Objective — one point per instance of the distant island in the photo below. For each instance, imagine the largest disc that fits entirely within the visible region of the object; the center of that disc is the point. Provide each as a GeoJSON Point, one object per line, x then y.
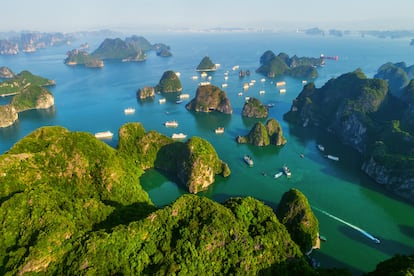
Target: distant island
{"type": "Point", "coordinates": [367, 115]}
{"type": "Point", "coordinates": [28, 92]}
{"type": "Point", "coordinates": [206, 65]}
{"type": "Point", "coordinates": [130, 49]}
{"type": "Point", "coordinates": [297, 67]}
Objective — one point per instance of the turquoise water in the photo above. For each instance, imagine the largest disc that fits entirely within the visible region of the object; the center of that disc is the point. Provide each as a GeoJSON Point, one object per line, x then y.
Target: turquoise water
{"type": "Point", "coordinates": [93, 100]}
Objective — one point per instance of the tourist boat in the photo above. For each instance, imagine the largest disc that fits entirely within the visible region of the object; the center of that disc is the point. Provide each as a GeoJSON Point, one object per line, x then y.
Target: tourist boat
{"type": "Point", "coordinates": [129, 110]}
{"type": "Point", "coordinates": [235, 67]}
{"type": "Point", "coordinates": [171, 124]}
{"type": "Point", "coordinates": [278, 174]}
{"type": "Point", "coordinates": [280, 83]}
{"type": "Point", "coordinates": [178, 136]}
{"type": "Point", "coordinates": [332, 157]}
{"type": "Point", "coordinates": [178, 74]}
{"type": "Point", "coordinates": [184, 96]}
{"type": "Point", "coordinates": [219, 130]}
{"type": "Point", "coordinates": [283, 90]}
{"type": "Point", "coordinates": [323, 238]}
{"type": "Point", "coordinates": [162, 100]}
{"type": "Point", "coordinates": [286, 171]}
{"type": "Point", "coordinates": [321, 148]}
{"type": "Point", "coordinates": [104, 135]}
{"type": "Point", "coordinates": [262, 80]}
{"type": "Point", "coordinates": [178, 101]}
{"type": "Point", "coordinates": [203, 74]}
{"type": "Point", "coordinates": [261, 92]}
{"type": "Point", "coordinates": [224, 85]}
{"type": "Point", "coordinates": [248, 160]}
{"type": "Point", "coordinates": [194, 77]}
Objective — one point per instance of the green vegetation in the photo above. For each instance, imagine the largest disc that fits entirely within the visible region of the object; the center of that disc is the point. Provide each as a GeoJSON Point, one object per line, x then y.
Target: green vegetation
{"type": "Point", "coordinates": [253, 108]}
{"type": "Point", "coordinates": [169, 82]}
{"type": "Point", "coordinates": [30, 98]}
{"type": "Point", "coordinates": [78, 57]}
{"type": "Point", "coordinates": [297, 67]}
{"type": "Point", "coordinates": [120, 50]}
{"type": "Point", "coordinates": [20, 81]}
{"type": "Point", "coordinates": [296, 214]}
{"type": "Point", "coordinates": [264, 135]}
{"type": "Point", "coordinates": [206, 65]}
{"type": "Point", "coordinates": [397, 265]}
{"type": "Point", "coordinates": [397, 75]}
{"type": "Point", "coordinates": [210, 98]}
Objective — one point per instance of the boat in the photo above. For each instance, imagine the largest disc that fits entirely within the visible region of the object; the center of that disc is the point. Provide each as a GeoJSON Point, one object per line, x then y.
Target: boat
{"type": "Point", "coordinates": [283, 90]}
{"type": "Point", "coordinates": [332, 157]}
{"type": "Point", "coordinates": [129, 110]}
{"type": "Point", "coordinates": [280, 83]}
{"type": "Point", "coordinates": [224, 85]}
{"type": "Point", "coordinates": [178, 101]}
{"type": "Point", "coordinates": [162, 100]}
{"type": "Point", "coordinates": [178, 74]}
{"type": "Point", "coordinates": [270, 105]}
{"type": "Point", "coordinates": [321, 148]}
{"type": "Point", "coordinates": [323, 238]}
{"type": "Point", "coordinates": [219, 130]}
{"type": "Point", "coordinates": [286, 171]}
{"type": "Point", "coordinates": [178, 136]}
{"type": "Point", "coordinates": [171, 124]}
{"type": "Point", "coordinates": [248, 160]}
{"type": "Point", "coordinates": [261, 92]}
{"type": "Point", "coordinates": [184, 96]}
{"type": "Point", "coordinates": [235, 67]}
{"type": "Point", "coordinates": [203, 75]}
{"type": "Point", "coordinates": [278, 174]}
{"type": "Point", "coordinates": [194, 77]}
{"type": "Point", "coordinates": [104, 135]}
{"type": "Point", "coordinates": [262, 80]}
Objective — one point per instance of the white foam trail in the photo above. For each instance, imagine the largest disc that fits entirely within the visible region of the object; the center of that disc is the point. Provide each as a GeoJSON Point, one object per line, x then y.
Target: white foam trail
{"type": "Point", "coordinates": [363, 232]}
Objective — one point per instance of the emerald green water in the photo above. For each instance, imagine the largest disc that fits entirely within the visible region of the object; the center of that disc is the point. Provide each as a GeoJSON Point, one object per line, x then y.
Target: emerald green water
{"type": "Point", "coordinates": [94, 100]}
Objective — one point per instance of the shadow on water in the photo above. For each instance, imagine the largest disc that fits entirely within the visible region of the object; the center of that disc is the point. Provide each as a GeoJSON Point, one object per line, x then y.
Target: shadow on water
{"type": "Point", "coordinates": [407, 230]}
{"type": "Point", "coordinates": [387, 246]}
{"type": "Point", "coordinates": [328, 262]}
{"type": "Point", "coordinates": [212, 120]}
{"type": "Point", "coordinates": [38, 114]}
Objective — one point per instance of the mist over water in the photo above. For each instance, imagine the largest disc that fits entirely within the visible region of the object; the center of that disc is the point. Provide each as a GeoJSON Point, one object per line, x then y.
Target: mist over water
{"type": "Point", "coordinates": [94, 100]}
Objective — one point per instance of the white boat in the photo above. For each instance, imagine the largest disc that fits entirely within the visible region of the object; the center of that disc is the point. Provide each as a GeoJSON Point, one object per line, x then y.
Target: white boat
{"type": "Point", "coordinates": [321, 148]}
{"type": "Point", "coordinates": [184, 96]}
{"type": "Point", "coordinates": [162, 100]}
{"type": "Point", "coordinates": [104, 135]}
{"type": "Point", "coordinates": [262, 80]}
{"type": "Point", "coordinates": [178, 74]}
{"type": "Point", "coordinates": [194, 77]}
{"type": "Point", "coordinates": [280, 83]}
{"type": "Point", "coordinates": [178, 136]}
{"type": "Point", "coordinates": [129, 110]}
{"type": "Point", "coordinates": [277, 175]}
{"type": "Point", "coordinates": [203, 74]}
{"type": "Point", "coordinates": [286, 171]}
{"type": "Point", "coordinates": [178, 101]}
{"type": "Point", "coordinates": [283, 90]}
{"type": "Point", "coordinates": [224, 85]}
{"type": "Point", "coordinates": [219, 130]}
{"type": "Point", "coordinates": [171, 124]}
{"type": "Point", "coordinates": [261, 92]}
{"type": "Point", "coordinates": [332, 157]}
{"type": "Point", "coordinates": [235, 67]}
{"type": "Point", "coordinates": [248, 160]}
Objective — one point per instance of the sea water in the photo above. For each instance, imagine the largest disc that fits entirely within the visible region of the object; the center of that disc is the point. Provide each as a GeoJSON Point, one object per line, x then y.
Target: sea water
{"type": "Point", "coordinates": [93, 100]}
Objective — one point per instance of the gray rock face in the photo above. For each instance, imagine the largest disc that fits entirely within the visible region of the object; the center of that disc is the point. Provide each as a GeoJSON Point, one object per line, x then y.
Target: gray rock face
{"type": "Point", "coordinates": [6, 73]}
{"type": "Point", "coordinates": [8, 116]}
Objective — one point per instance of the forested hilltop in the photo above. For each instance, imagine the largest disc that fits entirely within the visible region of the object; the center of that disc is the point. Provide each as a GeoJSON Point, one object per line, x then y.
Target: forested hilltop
{"type": "Point", "coordinates": [370, 117]}
{"type": "Point", "coordinates": [71, 204]}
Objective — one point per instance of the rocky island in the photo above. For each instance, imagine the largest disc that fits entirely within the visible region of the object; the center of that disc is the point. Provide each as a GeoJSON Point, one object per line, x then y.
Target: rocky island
{"type": "Point", "coordinates": [264, 134]}
{"type": "Point", "coordinates": [253, 108]}
{"type": "Point", "coordinates": [206, 65]}
{"type": "Point", "coordinates": [364, 114]}
{"type": "Point", "coordinates": [147, 92]}
{"type": "Point", "coordinates": [169, 82]}
{"type": "Point", "coordinates": [210, 98]}
{"type": "Point", "coordinates": [297, 67]}
{"type": "Point", "coordinates": [6, 73]}
{"type": "Point", "coordinates": [81, 57]}
{"type": "Point", "coordinates": [28, 92]}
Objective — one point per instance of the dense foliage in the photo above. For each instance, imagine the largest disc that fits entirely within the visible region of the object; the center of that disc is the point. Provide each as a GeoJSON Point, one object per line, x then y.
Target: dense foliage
{"type": "Point", "coordinates": [397, 265]}
{"type": "Point", "coordinates": [169, 82]}
{"type": "Point", "coordinates": [296, 214]}
{"type": "Point", "coordinates": [253, 108]}
{"type": "Point", "coordinates": [397, 75]}
{"type": "Point", "coordinates": [20, 81]}
{"type": "Point", "coordinates": [297, 67]}
{"type": "Point", "coordinates": [119, 49]}
{"type": "Point", "coordinates": [30, 97]}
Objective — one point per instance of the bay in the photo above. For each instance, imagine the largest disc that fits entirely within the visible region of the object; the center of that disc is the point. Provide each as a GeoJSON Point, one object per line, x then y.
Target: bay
{"type": "Point", "coordinates": [93, 100]}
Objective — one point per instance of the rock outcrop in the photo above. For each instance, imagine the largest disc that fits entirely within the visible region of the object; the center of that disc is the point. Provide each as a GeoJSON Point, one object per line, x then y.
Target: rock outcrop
{"type": "Point", "coordinates": [6, 73]}
{"type": "Point", "coordinates": [210, 98]}
{"type": "Point", "coordinates": [206, 65]}
{"type": "Point", "coordinates": [253, 108]}
{"type": "Point", "coordinates": [8, 115]}
{"type": "Point", "coordinates": [264, 135]}
{"type": "Point", "coordinates": [33, 97]}
{"type": "Point", "coordinates": [295, 213]}
{"type": "Point", "coordinates": [146, 92]}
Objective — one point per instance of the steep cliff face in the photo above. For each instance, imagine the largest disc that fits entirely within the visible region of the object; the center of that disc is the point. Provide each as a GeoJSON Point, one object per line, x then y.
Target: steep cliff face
{"type": "Point", "coordinates": [263, 135]}
{"type": "Point", "coordinates": [146, 92]}
{"type": "Point", "coordinates": [400, 182]}
{"type": "Point", "coordinates": [210, 98]}
{"type": "Point", "coordinates": [8, 115]}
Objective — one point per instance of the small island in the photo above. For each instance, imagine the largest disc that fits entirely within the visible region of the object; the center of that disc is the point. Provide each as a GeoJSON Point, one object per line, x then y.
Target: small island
{"type": "Point", "coordinates": [169, 83]}
{"type": "Point", "coordinates": [81, 57]}
{"type": "Point", "coordinates": [147, 92]}
{"type": "Point", "coordinates": [206, 65]}
{"type": "Point", "coordinates": [210, 98]}
{"type": "Point", "coordinates": [253, 108]}
{"type": "Point", "coordinates": [261, 134]}
{"type": "Point", "coordinates": [297, 67]}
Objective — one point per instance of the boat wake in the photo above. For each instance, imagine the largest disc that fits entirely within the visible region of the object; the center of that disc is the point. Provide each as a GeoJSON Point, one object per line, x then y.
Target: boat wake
{"type": "Point", "coordinates": [363, 232]}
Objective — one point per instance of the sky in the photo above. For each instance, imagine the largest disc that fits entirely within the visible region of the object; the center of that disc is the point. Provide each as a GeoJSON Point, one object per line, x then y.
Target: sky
{"type": "Point", "coordinates": [152, 15]}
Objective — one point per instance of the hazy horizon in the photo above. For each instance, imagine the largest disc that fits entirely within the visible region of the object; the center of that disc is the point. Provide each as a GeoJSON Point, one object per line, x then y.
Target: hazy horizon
{"type": "Point", "coordinates": [149, 15]}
